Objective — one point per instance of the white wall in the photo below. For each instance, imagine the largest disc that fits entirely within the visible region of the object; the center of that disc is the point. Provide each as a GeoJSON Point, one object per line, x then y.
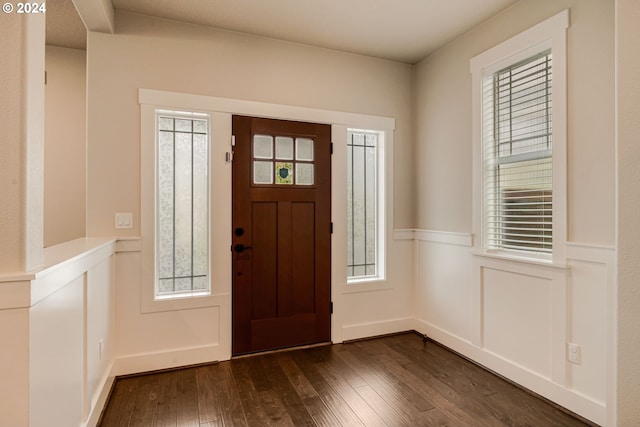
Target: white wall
{"type": "Point", "coordinates": [627, 317]}
{"type": "Point", "coordinates": [149, 53]}
{"type": "Point", "coordinates": [65, 145]}
{"type": "Point", "coordinates": [517, 318]}
{"type": "Point", "coordinates": [57, 328]}
{"type": "Point", "coordinates": [21, 136]}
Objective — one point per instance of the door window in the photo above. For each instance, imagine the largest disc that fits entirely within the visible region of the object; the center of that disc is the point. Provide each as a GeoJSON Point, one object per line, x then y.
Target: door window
{"type": "Point", "coordinates": [283, 160]}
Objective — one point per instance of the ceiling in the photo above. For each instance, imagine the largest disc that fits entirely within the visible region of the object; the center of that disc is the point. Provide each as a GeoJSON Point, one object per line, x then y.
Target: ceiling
{"type": "Point", "coordinates": [399, 30]}
{"type": "Point", "coordinates": [64, 26]}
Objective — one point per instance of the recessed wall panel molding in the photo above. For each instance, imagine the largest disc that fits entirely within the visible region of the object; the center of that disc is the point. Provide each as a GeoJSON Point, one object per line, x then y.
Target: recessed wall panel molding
{"type": "Point", "coordinates": [517, 318]}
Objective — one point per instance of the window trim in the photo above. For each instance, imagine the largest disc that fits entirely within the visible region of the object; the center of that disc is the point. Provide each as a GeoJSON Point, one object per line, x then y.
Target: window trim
{"type": "Point", "coordinates": [549, 34]}
{"type": "Point", "coordinates": [149, 301]}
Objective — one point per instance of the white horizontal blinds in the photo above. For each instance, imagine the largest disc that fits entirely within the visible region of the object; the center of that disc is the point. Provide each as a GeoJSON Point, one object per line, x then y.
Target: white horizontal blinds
{"type": "Point", "coordinates": [517, 156]}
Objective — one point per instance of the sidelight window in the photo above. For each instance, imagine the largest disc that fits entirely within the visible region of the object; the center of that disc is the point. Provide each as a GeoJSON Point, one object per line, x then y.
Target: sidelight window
{"type": "Point", "coordinates": [364, 238]}
{"type": "Point", "coordinates": [182, 205]}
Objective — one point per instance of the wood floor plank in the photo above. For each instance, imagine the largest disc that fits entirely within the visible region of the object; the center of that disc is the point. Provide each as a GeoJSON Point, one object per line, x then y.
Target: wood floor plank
{"type": "Point", "coordinates": [442, 363]}
{"type": "Point", "coordinates": [333, 374]}
{"type": "Point", "coordinates": [145, 402]}
{"type": "Point", "coordinates": [119, 410]}
{"type": "Point", "coordinates": [292, 402]}
{"type": "Point", "coordinates": [229, 401]}
{"type": "Point", "coordinates": [320, 413]}
{"type": "Point", "coordinates": [187, 399]}
{"type": "Point", "coordinates": [423, 386]}
{"type": "Point", "coordinates": [260, 405]}
{"type": "Point", "coordinates": [251, 407]}
{"type": "Point", "coordinates": [207, 403]}
{"type": "Point", "coordinates": [388, 381]}
{"type": "Point", "coordinates": [166, 414]}
{"type": "Point", "coordinates": [333, 400]}
{"type": "Point", "coordinates": [449, 384]}
{"type": "Point", "coordinates": [383, 380]}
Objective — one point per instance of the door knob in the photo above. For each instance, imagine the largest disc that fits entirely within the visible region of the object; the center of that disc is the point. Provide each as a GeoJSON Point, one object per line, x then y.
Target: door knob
{"type": "Point", "coordinates": [241, 248]}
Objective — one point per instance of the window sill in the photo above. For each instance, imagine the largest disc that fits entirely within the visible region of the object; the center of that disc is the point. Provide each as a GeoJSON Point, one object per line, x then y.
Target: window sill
{"type": "Point", "coordinates": [366, 285]}
{"type": "Point", "coordinates": [526, 260]}
{"type": "Point", "coordinates": [183, 303]}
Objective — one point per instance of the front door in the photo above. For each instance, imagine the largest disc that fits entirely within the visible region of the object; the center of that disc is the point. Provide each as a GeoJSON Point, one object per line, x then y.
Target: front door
{"type": "Point", "coordinates": [281, 234]}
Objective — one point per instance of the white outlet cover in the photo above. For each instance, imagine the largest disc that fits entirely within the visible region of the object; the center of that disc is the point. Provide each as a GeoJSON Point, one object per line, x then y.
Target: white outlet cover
{"type": "Point", "coordinates": [124, 220]}
{"type": "Point", "coordinates": [573, 353]}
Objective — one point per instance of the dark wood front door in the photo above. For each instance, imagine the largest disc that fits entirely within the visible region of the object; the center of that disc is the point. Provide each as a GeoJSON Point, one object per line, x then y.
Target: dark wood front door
{"type": "Point", "coordinates": [281, 234]}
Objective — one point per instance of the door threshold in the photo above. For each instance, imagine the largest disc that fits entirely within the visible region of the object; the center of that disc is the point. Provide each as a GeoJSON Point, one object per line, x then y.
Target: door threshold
{"type": "Point", "coordinates": [281, 350]}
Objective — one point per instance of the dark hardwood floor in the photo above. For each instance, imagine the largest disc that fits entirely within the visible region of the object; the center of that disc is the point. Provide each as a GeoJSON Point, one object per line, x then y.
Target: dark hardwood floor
{"type": "Point", "coordinates": [392, 381]}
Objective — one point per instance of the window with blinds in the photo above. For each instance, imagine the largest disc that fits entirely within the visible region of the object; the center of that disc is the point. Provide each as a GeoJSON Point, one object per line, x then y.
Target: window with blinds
{"type": "Point", "coordinates": [517, 156]}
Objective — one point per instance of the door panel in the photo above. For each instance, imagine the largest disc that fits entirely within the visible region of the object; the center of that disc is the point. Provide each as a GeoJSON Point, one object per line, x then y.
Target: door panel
{"type": "Point", "coordinates": [281, 241]}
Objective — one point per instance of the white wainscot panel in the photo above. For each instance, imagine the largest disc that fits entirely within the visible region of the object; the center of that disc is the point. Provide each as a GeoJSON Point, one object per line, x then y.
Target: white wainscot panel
{"type": "Point", "coordinates": [56, 358]}
{"type": "Point", "coordinates": [444, 291]}
{"type": "Point", "coordinates": [517, 318]}
{"type": "Point", "coordinates": [100, 329]}
{"type": "Point", "coordinates": [165, 339]}
{"type": "Point", "coordinates": [587, 298]}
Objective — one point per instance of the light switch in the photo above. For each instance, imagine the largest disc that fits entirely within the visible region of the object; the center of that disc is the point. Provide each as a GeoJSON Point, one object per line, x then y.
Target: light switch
{"type": "Point", "coordinates": [124, 220]}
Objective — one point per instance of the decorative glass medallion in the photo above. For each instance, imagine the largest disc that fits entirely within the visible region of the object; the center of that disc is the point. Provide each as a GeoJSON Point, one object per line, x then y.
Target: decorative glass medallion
{"type": "Point", "coordinates": [284, 173]}
{"type": "Point", "coordinates": [304, 173]}
{"type": "Point", "coordinates": [262, 172]}
{"type": "Point", "coordinates": [304, 149]}
{"type": "Point", "coordinates": [284, 148]}
{"type": "Point", "coordinates": [263, 147]}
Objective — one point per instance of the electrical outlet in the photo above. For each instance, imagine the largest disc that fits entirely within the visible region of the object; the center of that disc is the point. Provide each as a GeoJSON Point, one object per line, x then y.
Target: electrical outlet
{"type": "Point", "coordinates": [573, 353]}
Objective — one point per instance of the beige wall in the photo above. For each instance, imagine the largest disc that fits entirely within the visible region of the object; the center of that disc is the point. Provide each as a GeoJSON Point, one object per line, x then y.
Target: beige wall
{"type": "Point", "coordinates": [173, 57]}
{"type": "Point", "coordinates": [160, 54]}
{"type": "Point", "coordinates": [11, 187]}
{"type": "Point", "coordinates": [628, 232]}
{"type": "Point", "coordinates": [65, 145]}
{"type": "Point", "coordinates": [21, 141]}
{"type": "Point", "coordinates": [443, 119]}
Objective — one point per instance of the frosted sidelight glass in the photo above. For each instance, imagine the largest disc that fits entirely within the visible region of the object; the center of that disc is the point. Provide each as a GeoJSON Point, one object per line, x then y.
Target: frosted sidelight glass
{"type": "Point", "coordinates": [182, 230]}
{"type": "Point", "coordinates": [362, 245]}
{"type": "Point", "coordinates": [183, 205]}
{"type": "Point", "coordinates": [183, 125]}
{"type": "Point", "coordinates": [164, 236]}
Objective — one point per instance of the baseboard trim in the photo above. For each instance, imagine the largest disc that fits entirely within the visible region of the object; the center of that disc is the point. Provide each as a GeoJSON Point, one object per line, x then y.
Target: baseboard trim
{"type": "Point", "coordinates": [579, 404]}
{"type": "Point", "coordinates": [373, 329]}
{"type": "Point", "coordinates": [98, 407]}
{"type": "Point", "coordinates": [132, 364]}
